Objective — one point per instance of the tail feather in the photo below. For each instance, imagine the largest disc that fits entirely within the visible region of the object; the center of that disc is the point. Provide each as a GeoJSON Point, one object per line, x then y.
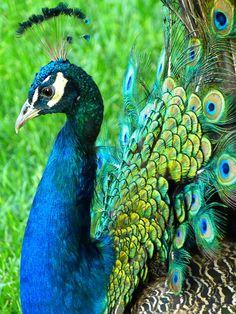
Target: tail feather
{"type": "Point", "coordinates": [177, 167]}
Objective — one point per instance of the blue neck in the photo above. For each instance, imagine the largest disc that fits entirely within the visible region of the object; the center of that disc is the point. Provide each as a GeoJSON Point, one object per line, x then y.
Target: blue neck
{"type": "Point", "coordinates": [62, 269]}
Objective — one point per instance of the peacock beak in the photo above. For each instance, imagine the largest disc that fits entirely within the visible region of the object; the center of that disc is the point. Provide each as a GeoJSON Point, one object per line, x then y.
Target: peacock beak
{"type": "Point", "coordinates": [28, 112]}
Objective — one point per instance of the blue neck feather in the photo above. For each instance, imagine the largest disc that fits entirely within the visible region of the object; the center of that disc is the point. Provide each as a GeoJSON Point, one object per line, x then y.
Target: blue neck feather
{"type": "Point", "coordinates": [62, 269]}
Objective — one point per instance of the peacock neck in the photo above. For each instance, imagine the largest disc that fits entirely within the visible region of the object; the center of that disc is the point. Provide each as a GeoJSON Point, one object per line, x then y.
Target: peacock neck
{"type": "Point", "coordinates": [59, 262]}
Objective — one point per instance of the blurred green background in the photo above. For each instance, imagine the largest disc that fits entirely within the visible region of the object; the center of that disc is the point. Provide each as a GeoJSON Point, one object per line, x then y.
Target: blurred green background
{"type": "Point", "coordinates": [115, 26]}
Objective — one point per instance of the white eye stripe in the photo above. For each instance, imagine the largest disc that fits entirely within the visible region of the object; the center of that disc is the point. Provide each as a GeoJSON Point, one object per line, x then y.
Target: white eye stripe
{"type": "Point", "coordinates": [59, 85]}
{"type": "Point", "coordinates": [35, 97]}
{"type": "Point", "coordinates": [47, 79]}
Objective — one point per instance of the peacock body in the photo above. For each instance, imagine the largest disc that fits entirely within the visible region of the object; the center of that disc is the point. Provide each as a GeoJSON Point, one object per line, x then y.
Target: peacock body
{"type": "Point", "coordinates": [163, 194]}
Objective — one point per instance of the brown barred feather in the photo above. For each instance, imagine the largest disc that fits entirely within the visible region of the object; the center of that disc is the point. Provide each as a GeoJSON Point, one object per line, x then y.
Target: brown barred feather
{"type": "Point", "coordinates": [210, 287]}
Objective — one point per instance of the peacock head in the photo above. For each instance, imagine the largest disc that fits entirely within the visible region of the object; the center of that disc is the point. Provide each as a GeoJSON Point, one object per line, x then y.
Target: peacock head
{"type": "Point", "coordinates": [62, 87]}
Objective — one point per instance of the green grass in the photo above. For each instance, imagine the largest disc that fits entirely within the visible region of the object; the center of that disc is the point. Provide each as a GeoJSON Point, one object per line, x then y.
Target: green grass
{"type": "Point", "coordinates": [115, 26]}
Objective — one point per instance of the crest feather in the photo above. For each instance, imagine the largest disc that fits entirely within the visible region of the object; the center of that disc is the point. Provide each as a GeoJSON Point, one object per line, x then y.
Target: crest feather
{"type": "Point", "coordinates": [57, 38]}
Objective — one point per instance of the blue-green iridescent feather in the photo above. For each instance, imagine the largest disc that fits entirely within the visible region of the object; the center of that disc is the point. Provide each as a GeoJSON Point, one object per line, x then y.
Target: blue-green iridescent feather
{"type": "Point", "coordinates": [184, 138]}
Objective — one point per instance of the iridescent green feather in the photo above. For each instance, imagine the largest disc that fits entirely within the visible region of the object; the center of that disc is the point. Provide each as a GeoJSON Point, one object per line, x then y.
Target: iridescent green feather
{"type": "Point", "coordinates": [177, 153]}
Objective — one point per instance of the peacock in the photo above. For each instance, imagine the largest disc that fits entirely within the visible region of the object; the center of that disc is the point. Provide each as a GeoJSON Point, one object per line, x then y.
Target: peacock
{"type": "Point", "coordinates": [118, 230]}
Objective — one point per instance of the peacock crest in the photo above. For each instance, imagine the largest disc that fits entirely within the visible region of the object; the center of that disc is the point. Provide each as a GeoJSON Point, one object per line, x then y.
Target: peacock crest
{"type": "Point", "coordinates": [55, 35]}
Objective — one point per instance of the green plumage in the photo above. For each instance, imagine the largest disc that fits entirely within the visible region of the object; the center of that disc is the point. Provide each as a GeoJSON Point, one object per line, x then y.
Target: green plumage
{"type": "Point", "coordinates": [176, 153]}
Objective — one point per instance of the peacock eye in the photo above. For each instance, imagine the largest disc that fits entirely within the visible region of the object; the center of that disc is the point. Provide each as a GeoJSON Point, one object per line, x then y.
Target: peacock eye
{"type": "Point", "coordinates": [220, 20]}
{"type": "Point", "coordinates": [47, 91]}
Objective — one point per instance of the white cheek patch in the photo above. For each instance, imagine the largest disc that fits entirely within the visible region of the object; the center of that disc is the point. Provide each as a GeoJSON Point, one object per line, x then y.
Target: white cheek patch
{"type": "Point", "coordinates": [59, 85]}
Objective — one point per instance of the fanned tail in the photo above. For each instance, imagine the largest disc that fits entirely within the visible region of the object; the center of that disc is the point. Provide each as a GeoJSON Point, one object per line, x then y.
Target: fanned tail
{"type": "Point", "coordinates": [200, 56]}
{"type": "Point", "coordinates": [177, 158]}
